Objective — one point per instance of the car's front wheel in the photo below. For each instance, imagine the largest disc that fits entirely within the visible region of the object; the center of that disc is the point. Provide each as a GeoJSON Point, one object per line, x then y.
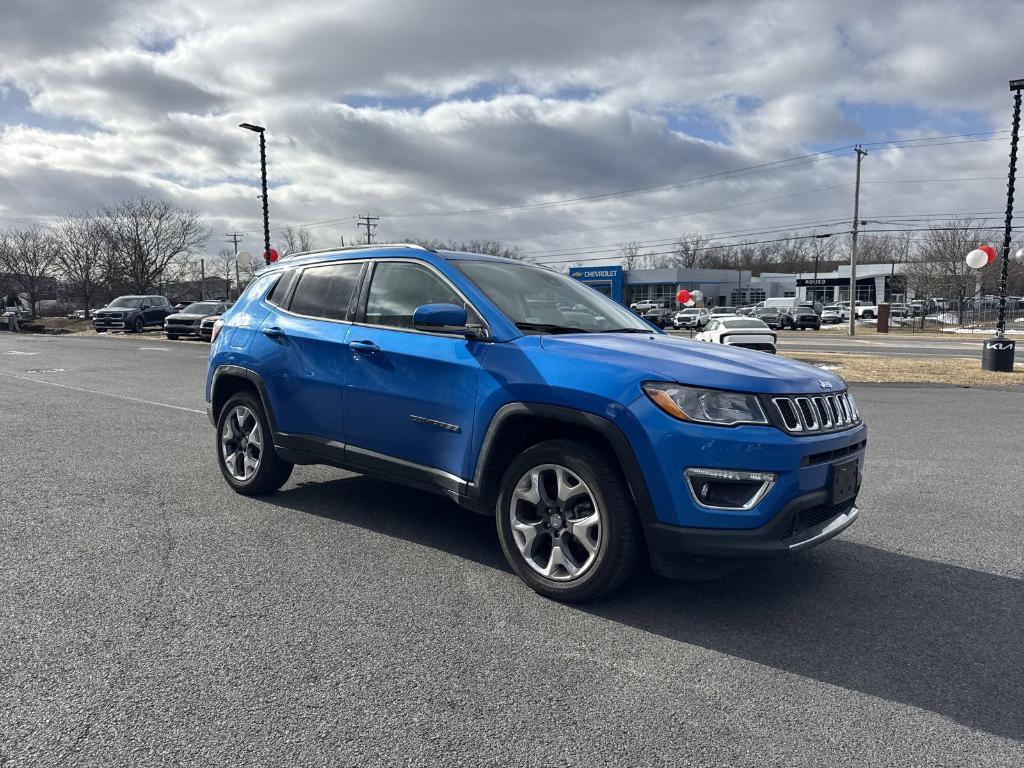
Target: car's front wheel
{"type": "Point", "coordinates": [245, 448]}
{"type": "Point", "coordinates": [139, 325]}
{"type": "Point", "coordinates": [566, 521]}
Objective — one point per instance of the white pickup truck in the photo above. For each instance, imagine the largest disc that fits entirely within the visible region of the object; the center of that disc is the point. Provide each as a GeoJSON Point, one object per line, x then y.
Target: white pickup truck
{"type": "Point", "coordinates": [862, 310]}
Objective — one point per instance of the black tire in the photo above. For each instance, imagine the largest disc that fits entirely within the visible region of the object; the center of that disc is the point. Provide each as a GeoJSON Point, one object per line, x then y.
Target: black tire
{"type": "Point", "coordinates": [139, 325]}
{"type": "Point", "coordinates": [272, 471]}
{"type": "Point", "coordinates": [867, 315]}
{"type": "Point", "coordinates": [101, 330]}
{"type": "Point", "coordinates": [620, 542]}
{"type": "Point", "coordinates": [172, 336]}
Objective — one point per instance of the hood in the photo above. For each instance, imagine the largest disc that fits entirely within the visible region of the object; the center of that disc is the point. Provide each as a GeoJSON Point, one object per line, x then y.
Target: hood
{"type": "Point", "coordinates": [187, 316]}
{"type": "Point", "coordinates": [697, 363]}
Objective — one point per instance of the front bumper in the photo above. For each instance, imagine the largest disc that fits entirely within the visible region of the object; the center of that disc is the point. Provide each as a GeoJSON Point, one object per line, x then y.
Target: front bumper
{"type": "Point", "coordinates": [108, 324]}
{"type": "Point", "coordinates": [804, 472]}
{"type": "Point", "coordinates": [804, 522]}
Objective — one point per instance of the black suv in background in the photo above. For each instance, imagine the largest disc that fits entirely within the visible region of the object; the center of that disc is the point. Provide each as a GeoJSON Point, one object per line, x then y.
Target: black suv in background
{"type": "Point", "coordinates": [187, 321]}
{"type": "Point", "coordinates": [660, 317]}
{"type": "Point", "coordinates": [800, 318]}
{"type": "Point", "coordinates": [132, 313]}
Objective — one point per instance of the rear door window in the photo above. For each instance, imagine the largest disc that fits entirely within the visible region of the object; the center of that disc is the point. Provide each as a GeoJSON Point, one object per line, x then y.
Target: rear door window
{"type": "Point", "coordinates": [326, 291]}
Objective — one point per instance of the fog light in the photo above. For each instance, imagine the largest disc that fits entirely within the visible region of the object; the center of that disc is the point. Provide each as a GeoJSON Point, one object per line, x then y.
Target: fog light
{"type": "Point", "coordinates": [728, 488]}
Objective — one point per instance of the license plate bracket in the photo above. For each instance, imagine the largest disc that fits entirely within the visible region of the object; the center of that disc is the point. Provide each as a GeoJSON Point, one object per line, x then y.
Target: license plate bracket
{"type": "Point", "coordinates": [845, 481]}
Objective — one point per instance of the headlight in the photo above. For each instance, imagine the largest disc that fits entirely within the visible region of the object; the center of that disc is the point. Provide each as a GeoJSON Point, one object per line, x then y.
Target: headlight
{"type": "Point", "coordinates": [705, 406]}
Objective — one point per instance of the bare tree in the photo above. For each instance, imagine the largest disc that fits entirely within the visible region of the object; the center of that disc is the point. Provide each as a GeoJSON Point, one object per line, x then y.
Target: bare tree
{"type": "Point", "coordinates": [489, 247]}
{"type": "Point", "coordinates": [689, 250]}
{"type": "Point", "coordinates": [297, 240]}
{"type": "Point", "coordinates": [937, 265]}
{"type": "Point", "coordinates": [144, 237]}
{"type": "Point", "coordinates": [630, 255]}
{"type": "Point", "coordinates": [28, 256]}
{"type": "Point", "coordinates": [81, 255]}
{"type": "Point", "coordinates": [224, 268]}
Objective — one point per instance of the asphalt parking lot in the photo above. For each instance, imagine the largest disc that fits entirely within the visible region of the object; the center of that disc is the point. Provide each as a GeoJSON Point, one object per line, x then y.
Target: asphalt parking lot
{"type": "Point", "coordinates": [149, 616]}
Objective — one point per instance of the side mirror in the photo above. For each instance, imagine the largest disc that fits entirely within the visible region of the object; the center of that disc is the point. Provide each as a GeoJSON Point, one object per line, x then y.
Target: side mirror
{"type": "Point", "coordinates": [443, 318]}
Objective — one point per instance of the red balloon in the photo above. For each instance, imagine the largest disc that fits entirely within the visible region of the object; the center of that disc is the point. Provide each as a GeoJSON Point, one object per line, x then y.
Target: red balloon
{"type": "Point", "coordinates": [989, 251]}
{"type": "Point", "coordinates": [270, 256]}
{"type": "Point", "coordinates": [683, 296]}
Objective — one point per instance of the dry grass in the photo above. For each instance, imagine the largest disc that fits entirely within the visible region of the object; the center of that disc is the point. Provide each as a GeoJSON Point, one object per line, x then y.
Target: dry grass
{"type": "Point", "coordinates": [930, 370]}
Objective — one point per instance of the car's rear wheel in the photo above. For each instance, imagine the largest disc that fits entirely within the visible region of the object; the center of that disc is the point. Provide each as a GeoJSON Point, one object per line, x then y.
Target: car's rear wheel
{"type": "Point", "coordinates": [172, 336]}
{"type": "Point", "coordinates": [566, 521]}
{"type": "Point", "coordinates": [245, 448]}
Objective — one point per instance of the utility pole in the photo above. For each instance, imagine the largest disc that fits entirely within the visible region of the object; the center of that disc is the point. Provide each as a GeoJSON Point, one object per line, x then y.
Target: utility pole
{"type": "Point", "coordinates": [861, 152]}
{"type": "Point", "coordinates": [368, 221]}
{"type": "Point", "coordinates": [235, 237]}
{"type": "Point", "coordinates": [202, 278]}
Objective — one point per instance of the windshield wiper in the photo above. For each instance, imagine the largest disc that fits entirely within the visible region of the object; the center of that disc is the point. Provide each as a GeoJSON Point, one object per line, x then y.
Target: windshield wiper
{"type": "Point", "coordinates": [628, 330]}
{"type": "Point", "coordinates": [550, 328]}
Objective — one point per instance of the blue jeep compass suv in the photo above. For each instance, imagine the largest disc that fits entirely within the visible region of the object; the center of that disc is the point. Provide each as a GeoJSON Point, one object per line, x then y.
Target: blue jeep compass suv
{"type": "Point", "coordinates": [592, 437]}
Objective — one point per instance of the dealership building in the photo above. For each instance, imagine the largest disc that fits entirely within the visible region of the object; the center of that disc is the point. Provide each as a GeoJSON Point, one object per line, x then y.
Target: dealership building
{"type": "Point", "coordinates": [732, 287]}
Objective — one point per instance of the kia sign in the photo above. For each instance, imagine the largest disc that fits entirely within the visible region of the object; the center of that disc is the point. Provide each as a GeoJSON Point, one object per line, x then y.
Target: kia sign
{"type": "Point", "coordinates": [998, 354]}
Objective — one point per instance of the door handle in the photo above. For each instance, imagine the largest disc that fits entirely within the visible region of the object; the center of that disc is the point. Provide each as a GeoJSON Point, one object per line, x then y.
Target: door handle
{"type": "Point", "coordinates": [273, 332]}
{"type": "Point", "coordinates": [364, 347]}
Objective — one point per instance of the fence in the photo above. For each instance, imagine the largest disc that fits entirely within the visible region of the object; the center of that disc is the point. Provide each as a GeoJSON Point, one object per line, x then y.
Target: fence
{"type": "Point", "coordinates": [971, 317]}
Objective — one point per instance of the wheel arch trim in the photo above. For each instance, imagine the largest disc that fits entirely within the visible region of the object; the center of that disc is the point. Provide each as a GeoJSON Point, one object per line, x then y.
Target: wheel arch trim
{"type": "Point", "coordinates": [619, 443]}
{"type": "Point", "coordinates": [224, 372]}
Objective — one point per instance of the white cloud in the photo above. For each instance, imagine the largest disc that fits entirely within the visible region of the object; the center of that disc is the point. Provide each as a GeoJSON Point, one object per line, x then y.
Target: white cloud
{"type": "Point", "coordinates": [497, 104]}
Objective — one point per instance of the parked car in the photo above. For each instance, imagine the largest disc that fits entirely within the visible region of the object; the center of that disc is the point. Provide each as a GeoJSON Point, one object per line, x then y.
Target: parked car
{"type": "Point", "coordinates": [745, 311]}
{"type": "Point", "coordinates": [691, 318]}
{"type": "Point", "coordinates": [660, 317]}
{"type": "Point", "coordinates": [720, 311]}
{"type": "Point", "coordinates": [800, 318]}
{"type": "Point", "coordinates": [590, 450]}
{"type": "Point", "coordinates": [187, 322]}
{"type": "Point", "coordinates": [770, 316]}
{"type": "Point", "coordinates": [132, 313]}
{"type": "Point", "coordinates": [641, 307]}
{"type": "Point", "coordinates": [207, 325]}
{"type": "Point", "coordinates": [746, 332]}
{"type": "Point", "coordinates": [834, 313]}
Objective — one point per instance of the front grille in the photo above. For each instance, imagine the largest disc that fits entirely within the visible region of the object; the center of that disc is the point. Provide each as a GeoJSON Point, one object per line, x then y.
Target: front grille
{"type": "Point", "coordinates": [814, 414]}
{"type": "Point", "coordinates": [815, 516]}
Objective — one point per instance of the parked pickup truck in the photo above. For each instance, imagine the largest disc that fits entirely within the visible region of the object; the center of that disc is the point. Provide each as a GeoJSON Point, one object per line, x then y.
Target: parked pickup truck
{"type": "Point", "coordinates": [591, 441]}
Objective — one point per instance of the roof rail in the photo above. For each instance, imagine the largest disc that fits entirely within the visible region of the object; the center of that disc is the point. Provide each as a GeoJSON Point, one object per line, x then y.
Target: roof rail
{"type": "Point", "coordinates": [362, 247]}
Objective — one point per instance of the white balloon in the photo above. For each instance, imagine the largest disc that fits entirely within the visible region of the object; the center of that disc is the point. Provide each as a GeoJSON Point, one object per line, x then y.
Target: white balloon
{"type": "Point", "coordinates": [691, 302]}
{"type": "Point", "coordinates": [696, 295]}
{"type": "Point", "coordinates": [977, 259]}
{"type": "Point", "coordinates": [244, 255]}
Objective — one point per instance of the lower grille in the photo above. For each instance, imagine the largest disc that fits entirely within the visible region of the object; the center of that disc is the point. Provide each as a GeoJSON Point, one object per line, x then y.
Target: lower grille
{"type": "Point", "coordinates": [815, 516]}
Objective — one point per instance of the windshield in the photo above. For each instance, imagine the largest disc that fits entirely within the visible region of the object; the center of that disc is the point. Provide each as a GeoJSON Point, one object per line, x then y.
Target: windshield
{"type": "Point", "coordinates": [743, 323]}
{"type": "Point", "coordinates": [531, 296]}
{"type": "Point", "coordinates": [201, 308]}
{"type": "Point", "coordinates": [126, 302]}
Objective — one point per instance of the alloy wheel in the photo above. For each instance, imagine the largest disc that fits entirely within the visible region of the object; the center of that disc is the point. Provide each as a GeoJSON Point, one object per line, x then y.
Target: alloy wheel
{"type": "Point", "coordinates": [555, 522]}
{"type": "Point", "coordinates": [241, 443]}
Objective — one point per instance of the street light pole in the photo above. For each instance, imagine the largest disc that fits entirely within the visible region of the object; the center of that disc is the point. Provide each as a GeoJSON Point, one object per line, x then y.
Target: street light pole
{"type": "Point", "coordinates": [1015, 86]}
{"type": "Point", "coordinates": [263, 178]}
{"type": "Point", "coordinates": [998, 352]}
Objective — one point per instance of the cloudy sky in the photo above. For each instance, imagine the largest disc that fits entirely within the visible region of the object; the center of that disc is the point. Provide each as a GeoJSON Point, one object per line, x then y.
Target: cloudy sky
{"type": "Point", "coordinates": [473, 118]}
